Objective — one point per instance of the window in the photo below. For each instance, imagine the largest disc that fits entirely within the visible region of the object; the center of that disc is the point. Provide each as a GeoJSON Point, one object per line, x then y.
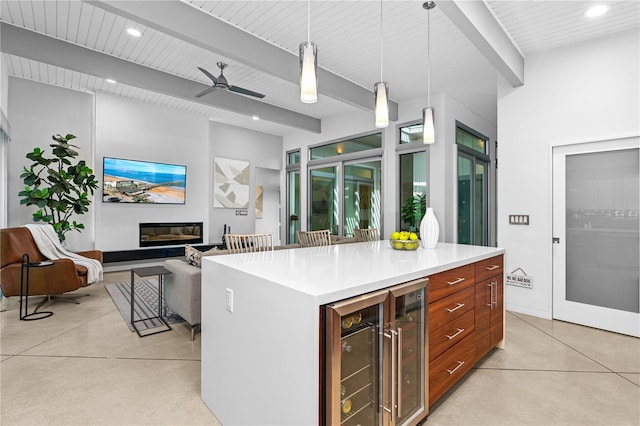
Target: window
{"type": "Point", "coordinates": [345, 185]}
{"type": "Point", "coordinates": [293, 195]}
{"type": "Point", "coordinates": [293, 158]}
{"type": "Point", "coordinates": [357, 144]}
{"type": "Point", "coordinates": [413, 161]}
{"type": "Point", "coordinates": [473, 186]}
{"type": "Point", "coordinates": [411, 134]}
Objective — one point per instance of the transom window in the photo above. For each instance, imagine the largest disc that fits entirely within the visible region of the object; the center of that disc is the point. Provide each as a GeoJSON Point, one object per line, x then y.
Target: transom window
{"type": "Point", "coordinates": [349, 146]}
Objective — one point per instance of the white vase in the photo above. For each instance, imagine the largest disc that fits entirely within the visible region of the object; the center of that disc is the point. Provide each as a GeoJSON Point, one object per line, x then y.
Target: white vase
{"type": "Point", "coordinates": [429, 229]}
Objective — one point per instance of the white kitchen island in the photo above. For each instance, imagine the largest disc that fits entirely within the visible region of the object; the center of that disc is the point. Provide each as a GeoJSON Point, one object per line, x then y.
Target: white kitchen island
{"type": "Point", "coordinates": [261, 357]}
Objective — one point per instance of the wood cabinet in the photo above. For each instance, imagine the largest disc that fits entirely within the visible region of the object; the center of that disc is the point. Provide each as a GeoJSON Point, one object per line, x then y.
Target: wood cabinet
{"type": "Point", "coordinates": [489, 309]}
{"type": "Point", "coordinates": [465, 320]}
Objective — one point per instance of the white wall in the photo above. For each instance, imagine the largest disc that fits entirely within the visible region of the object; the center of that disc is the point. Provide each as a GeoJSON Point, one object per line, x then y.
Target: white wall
{"type": "Point", "coordinates": [586, 92]}
{"type": "Point", "coordinates": [4, 85]}
{"type": "Point", "coordinates": [4, 144]}
{"type": "Point", "coordinates": [269, 179]}
{"type": "Point", "coordinates": [261, 150]}
{"type": "Point", "coordinates": [443, 160]}
{"type": "Point", "coordinates": [139, 131]}
{"type": "Point", "coordinates": [36, 112]}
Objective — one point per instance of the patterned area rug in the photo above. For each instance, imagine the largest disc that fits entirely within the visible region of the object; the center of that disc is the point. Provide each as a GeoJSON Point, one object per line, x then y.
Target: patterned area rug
{"type": "Point", "coordinates": [146, 303]}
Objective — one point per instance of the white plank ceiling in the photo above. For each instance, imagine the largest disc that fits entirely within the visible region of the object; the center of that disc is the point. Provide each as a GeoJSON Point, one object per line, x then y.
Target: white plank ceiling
{"type": "Point", "coordinates": [348, 38]}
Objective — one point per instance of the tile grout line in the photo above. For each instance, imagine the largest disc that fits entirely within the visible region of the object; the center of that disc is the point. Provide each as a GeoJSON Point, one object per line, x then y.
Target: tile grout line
{"type": "Point", "coordinates": [571, 347]}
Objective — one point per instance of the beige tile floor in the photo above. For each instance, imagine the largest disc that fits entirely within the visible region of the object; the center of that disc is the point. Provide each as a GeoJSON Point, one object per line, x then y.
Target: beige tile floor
{"type": "Point", "coordinates": [83, 366]}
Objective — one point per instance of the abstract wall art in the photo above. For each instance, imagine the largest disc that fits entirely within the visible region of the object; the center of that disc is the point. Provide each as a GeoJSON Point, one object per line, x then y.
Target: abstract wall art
{"type": "Point", "coordinates": [259, 202]}
{"type": "Point", "coordinates": [230, 183]}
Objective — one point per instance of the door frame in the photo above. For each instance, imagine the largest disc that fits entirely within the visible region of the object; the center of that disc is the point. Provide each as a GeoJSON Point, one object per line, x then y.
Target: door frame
{"type": "Point", "coordinates": [625, 138]}
{"type": "Point", "coordinates": [475, 157]}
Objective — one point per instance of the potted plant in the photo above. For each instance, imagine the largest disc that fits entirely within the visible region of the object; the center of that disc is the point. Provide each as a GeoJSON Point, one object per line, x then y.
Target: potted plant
{"type": "Point", "coordinates": [59, 186]}
{"type": "Point", "coordinates": [413, 210]}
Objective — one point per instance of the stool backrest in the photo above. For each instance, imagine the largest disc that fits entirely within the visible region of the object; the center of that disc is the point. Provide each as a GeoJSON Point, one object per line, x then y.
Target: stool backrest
{"type": "Point", "coordinates": [248, 243]}
{"type": "Point", "coordinates": [314, 238]}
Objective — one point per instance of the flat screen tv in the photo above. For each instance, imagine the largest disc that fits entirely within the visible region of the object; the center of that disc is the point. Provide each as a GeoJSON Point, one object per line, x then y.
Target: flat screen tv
{"type": "Point", "coordinates": [145, 182]}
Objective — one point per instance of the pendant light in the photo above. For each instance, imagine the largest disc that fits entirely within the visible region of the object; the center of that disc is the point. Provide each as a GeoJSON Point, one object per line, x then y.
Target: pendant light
{"type": "Point", "coordinates": [381, 90]}
{"type": "Point", "coordinates": [428, 128]}
{"type": "Point", "coordinates": [308, 65]}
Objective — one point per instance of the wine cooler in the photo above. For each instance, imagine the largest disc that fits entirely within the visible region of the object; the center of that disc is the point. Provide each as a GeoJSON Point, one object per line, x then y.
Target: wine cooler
{"type": "Point", "coordinates": [375, 364]}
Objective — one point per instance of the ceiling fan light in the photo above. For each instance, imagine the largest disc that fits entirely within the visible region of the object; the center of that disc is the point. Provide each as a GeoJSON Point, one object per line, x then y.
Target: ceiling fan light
{"type": "Point", "coordinates": [381, 93]}
{"type": "Point", "coordinates": [428, 129]}
{"type": "Point", "coordinates": [308, 68]}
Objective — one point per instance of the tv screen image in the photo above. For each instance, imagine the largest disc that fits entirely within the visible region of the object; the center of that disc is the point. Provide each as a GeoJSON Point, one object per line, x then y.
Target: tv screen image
{"type": "Point", "coordinates": [132, 181]}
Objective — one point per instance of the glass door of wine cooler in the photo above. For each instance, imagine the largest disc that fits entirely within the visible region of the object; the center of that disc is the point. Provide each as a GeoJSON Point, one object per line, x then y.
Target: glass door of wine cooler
{"type": "Point", "coordinates": [353, 361]}
{"type": "Point", "coordinates": [375, 363]}
{"type": "Point", "coordinates": [409, 372]}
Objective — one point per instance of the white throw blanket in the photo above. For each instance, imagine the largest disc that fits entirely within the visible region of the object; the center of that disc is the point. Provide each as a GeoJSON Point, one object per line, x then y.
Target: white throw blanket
{"type": "Point", "coordinates": [49, 245]}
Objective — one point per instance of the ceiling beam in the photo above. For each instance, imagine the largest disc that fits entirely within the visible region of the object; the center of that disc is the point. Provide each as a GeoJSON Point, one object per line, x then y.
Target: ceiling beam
{"type": "Point", "coordinates": [476, 21]}
{"type": "Point", "coordinates": [28, 44]}
{"type": "Point", "coordinates": [196, 27]}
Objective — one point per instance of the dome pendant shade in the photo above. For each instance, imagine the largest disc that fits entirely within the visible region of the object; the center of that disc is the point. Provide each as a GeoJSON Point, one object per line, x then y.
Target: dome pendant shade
{"type": "Point", "coordinates": [381, 92]}
{"type": "Point", "coordinates": [428, 129]}
{"type": "Point", "coordinates": [308, 68]}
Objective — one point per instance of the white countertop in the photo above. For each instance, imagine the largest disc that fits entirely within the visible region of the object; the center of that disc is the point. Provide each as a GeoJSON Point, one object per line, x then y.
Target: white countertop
{"type": "Point", "coordinates": [340, 271]}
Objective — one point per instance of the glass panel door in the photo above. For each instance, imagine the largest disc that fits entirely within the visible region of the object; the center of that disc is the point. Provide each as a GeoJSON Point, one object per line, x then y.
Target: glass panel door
{"type": "Point", "coordinates": [480, 210]}
{"type": "Point", "coordinates": [473, 210]}
{"type": "Point", "coordinates": [596, 268]}
{"type": "Point", "coordinates": [413, 189]}
{"type": "Point", "coordinates": [362, 197]}
{"type": "Point", "coordinates": [465, 199]}
{"type": "Point", "coordinates": [324, 196]}
{"type": "Point", "coordinates": [353, 361]}
{"type": "Point", "coordinates": [293, 219]}
{"type": "Point", "coordinates": [408, 316]}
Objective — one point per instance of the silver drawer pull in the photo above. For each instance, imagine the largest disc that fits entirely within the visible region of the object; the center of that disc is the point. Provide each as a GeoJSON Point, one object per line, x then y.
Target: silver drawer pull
{"type": "Point", "coordinates": [458, 281]}
{"type": "Point", "coordinates": [460, 305]}
{"type": "Point", "coordinates": [460, 330]}
{"type": "Point", "coordinates": [460, 364]}
{"type": "Point", "coordinates": [492, 267]}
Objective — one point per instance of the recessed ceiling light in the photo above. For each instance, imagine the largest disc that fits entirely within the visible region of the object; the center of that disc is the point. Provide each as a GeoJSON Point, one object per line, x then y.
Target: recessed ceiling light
{"type": "Point", "coordinates": [596, 11]}
{"type": "Point", "coordinates": [134, 32]}
{"type": "Point", "coordinates": [110, 80]}
{"type": "Point", "coordinates": [255, 117]}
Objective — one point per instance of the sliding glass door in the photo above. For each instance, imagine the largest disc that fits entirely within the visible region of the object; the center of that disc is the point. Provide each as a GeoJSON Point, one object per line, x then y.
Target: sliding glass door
{"type": "Point", "coordinates": [345, 196]}
{"type": "Point", "coordinates": [362, 187]}
{"type": "Point", "coordinates": [324, 190]}
{"type": "Point", "coordinates": [473, 187]}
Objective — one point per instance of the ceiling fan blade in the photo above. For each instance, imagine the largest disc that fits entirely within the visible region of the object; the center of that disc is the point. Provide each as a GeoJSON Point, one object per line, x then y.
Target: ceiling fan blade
{"type": "Point", "coordinates": [205, 92]}
{"type": "Point", "coordinates": [246, 92]}
{"type": "Point", "coordinates": [208, 74]}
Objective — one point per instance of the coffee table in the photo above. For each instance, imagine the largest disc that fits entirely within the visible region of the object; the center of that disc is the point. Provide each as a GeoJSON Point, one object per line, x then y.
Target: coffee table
{"type": "Point", "coordinates": [147, 272]}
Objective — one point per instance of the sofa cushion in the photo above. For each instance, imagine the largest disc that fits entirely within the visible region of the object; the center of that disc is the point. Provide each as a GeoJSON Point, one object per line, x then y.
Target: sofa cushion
{"type": "Point", "coordinates": [193, 256]}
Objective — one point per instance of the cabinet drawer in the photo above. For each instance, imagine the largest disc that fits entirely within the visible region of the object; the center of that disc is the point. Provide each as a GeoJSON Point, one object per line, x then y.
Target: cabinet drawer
{"type": "Point", "coordinates": [450, 367]}
{"type": "Point", "coordinates": [448, 282]}
{"type": "Point", "coordinates": [489, 267]}
{"type": "Point", "coordinates": [451, 307]}
{"type": "Point", "coordinates": [445, 337]}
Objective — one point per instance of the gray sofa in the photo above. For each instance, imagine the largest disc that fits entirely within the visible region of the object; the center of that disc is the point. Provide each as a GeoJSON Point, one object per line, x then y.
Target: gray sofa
{"type": "Point", "coordinates": [182, 286]}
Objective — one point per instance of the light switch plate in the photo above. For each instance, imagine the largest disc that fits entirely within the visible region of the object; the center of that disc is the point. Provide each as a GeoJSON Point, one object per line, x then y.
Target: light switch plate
{"type": "Point", "coordinates": [229, 300]}
{"type": "Point", "coordinates": [518, 219]}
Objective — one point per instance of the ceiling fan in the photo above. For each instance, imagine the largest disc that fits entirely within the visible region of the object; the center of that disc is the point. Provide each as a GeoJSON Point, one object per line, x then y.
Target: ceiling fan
{"type": "Point", "coordinates": [220, 82]}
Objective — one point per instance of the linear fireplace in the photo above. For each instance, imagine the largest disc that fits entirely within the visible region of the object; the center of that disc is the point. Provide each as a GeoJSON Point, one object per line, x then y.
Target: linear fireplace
{"type": "Point", "coordinates": [166, 234]}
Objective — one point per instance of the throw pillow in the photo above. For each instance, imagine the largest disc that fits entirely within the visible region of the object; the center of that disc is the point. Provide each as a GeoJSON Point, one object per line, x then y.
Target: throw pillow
{"type": "Point", "coordinates": [193, 256]}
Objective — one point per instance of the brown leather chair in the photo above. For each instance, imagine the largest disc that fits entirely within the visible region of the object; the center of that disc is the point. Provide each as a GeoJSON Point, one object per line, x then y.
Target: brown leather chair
{"type": "Point", "coordinates": [60, 278]}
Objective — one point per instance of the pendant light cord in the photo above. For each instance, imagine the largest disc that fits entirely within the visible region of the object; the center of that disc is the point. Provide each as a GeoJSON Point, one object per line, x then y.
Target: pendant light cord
{"type": "Point", "coordinates": [381, 43]}
{"type": "Point", "coordinates": [429, 58]}
{"type": "Point", "coordinates": [309, 21]}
